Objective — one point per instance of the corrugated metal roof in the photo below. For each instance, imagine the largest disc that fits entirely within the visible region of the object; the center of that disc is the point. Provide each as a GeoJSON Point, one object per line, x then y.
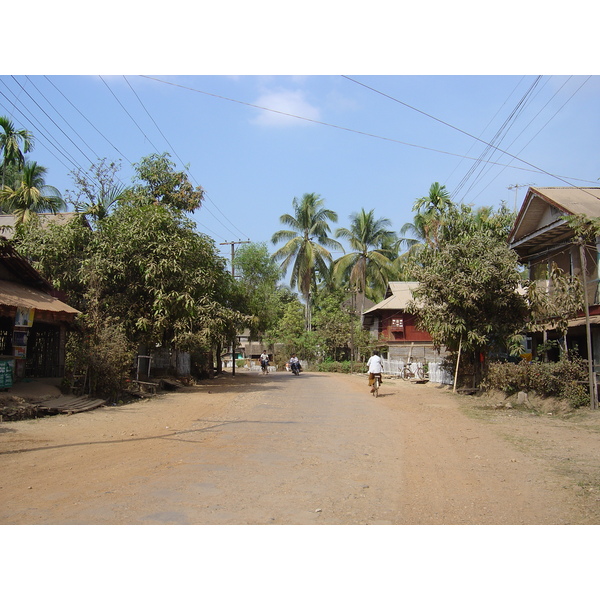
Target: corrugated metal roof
{"type": "Point", "coordinates": [17, 294]}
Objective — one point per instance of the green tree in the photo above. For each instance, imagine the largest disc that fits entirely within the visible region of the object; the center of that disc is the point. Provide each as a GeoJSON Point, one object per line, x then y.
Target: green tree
{"type": "Point", "coordinates": [307, 243]}
{"type": "Point", "coordinates": [468, 298]}
{"type": "Point", "coordinates": [11, 140]}
{"type": "Point", "coordinates": [258, 275]}
{"type": "Point", "coordinates": [334, 324]}
{"type": "Point", "coordinates": [158, 181]}
{"type": "Point", "coordinates": [58, 251]}
{"type": "Point", "coordinates": [367, 269]}
{"type": "Point", "coordinates": [430, 211]}
{"type": "Point", "coordinates": [32, 196]}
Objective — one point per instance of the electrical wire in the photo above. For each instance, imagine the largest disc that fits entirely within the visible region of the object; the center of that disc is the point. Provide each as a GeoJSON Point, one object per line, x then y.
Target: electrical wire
{"type": "Point", "coordinates": [533, 168]}
{"type": "Point", "coordinates": [87, 120]}
{"type": "Point", "coordinates": [538, 169]}
{"type": "Point", "coordinates": [186, 167]}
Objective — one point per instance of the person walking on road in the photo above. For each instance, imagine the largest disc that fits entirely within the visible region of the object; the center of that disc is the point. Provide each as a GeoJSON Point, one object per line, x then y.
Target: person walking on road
{"type": "Point", "coordinates": [375, 366]}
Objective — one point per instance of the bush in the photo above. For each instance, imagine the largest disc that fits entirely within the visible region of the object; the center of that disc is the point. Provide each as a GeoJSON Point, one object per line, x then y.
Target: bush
{"type": "Point", "coordinates": [106, 357]}
{"type": "Point", "coordinates": [565, 379]}
{"type": "Point", "coordinates": [334, 366]}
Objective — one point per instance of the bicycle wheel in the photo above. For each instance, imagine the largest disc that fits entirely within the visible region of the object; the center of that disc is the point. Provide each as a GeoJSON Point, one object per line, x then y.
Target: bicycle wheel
{"type": "Point", "coordinates": [376, 386]}
{"type": "Point", "coordinates": [420, 374]}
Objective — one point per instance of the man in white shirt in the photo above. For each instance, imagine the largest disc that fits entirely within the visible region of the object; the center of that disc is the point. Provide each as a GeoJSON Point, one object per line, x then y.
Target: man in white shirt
{"type": "Point", "coordinates": [374, 365]}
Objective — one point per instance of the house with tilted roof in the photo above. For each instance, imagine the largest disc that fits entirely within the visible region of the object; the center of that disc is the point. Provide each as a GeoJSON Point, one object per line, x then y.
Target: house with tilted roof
{"type": "Point", "coordinates": [34, 319]}
{"type": "Point", "coordinates": [543, 238]}
{"type": "Point", "coordinates": [395, 328]}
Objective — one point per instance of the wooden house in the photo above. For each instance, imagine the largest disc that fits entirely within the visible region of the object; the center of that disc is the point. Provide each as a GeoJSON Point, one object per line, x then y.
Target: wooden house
{"type": "Point", "coordinates": [33, 319]}
{"type": "Point", "coordinates": [542, 238]}
{"type": "Point", "coordinates": [397, 329]}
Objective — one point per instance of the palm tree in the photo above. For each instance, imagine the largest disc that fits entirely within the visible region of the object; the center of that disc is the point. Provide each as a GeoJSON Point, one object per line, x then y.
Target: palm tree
{"type": "Point", "coordinates": [367, 269]}
{"type": "Point", "coordinates": [100, 207]}
{"type": "Point", "coordinates": [32, 196]}
{"type": "Point", "coordinates": [430, 211]}
{"type": "Point", "coordinates": [306, 244]}
{"type": "Point", "coordinates": [10, 141]}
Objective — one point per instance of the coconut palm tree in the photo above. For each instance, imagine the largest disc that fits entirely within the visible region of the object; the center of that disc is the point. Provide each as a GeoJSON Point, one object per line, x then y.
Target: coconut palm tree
{"type": "Point", "coordinates": [31, 196]}
{"type": "Point", "coordinates": [368, 267]}
{"type": "Point", "coordinates": [10, 145]}
{"type": "Point", "coordinates": [100, 207]}
{"type": "Point", "coordinates": [430, 211]}
{"type": "Point", "coordinates": [306, 243]}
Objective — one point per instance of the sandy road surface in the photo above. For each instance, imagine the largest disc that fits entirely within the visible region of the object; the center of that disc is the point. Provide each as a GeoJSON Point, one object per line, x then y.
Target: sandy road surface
{"type": "Point", "coordinates": [314, 449]}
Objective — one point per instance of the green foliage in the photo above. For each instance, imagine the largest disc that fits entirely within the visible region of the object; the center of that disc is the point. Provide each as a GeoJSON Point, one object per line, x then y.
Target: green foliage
{"type": "Point", "coordinates": [333, 323]}
{"type": "Point", "coordinates": [334, 366]}
{"type": "Point", "coordinates": [31, 195]}
{"type": "Point", "coordinates": [160, 182]}
{"type": "Point", "coordinates": [565, 379]}
{"type": "Point", "coordinates": [468, 287]}
{"type": "Point", "coordinates": [257, 274]}
{"type": "Point", "coordinates": [368, 268]}
{"type": "Point", "coordinates": [58, 252]}
{"type": "Point", "coordinates": [306, 244]}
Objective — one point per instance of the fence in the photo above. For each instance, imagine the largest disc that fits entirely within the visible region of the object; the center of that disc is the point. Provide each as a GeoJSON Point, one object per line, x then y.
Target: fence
{"type": "Point", "coordinates": [434, 370]}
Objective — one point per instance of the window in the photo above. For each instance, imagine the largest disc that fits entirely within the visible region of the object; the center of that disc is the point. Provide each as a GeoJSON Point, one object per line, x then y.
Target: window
{"type": "Point", "coordinates": [397, 324]}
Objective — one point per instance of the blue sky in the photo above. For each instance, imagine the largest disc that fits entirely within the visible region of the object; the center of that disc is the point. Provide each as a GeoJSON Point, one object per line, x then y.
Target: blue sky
{"type": "Point", "coordinates": [378, 147]}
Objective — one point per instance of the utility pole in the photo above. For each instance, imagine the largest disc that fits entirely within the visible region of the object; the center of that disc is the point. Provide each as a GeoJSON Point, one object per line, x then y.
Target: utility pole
{"type": "Point", "coordinates": [516, 188]}
{"type": "Point", "coordinates": [233, 275]}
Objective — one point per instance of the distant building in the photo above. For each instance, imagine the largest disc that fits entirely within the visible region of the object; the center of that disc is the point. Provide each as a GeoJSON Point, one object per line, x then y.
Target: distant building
{"type": "Point", "coordinates": [394, 327]}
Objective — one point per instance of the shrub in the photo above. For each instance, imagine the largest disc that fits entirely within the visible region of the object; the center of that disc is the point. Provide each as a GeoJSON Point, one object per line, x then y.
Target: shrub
{"type": "Point", "coordinates": [565, 379]}
{"type": "Point", "coordinates": [334, 366]}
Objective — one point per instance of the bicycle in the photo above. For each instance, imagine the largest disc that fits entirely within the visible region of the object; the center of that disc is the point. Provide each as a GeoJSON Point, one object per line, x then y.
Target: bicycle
{"type": "Point", "coordinates": [409, 373]}
{"type": "Point", "coordinates": [376, 384]}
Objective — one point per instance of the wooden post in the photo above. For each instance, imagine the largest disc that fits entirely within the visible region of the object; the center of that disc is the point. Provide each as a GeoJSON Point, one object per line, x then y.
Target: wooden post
{"type": "Point", "coordinates": [457, 363]}
{"type": "Point", "coordinates": [588, 331]}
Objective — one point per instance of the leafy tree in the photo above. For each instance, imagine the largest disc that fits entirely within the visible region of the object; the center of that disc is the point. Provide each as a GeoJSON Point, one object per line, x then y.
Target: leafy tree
{"type": "Point", "coordinates": [160, 182]}
{"type": "Point", "coordinates": [258, 275]}
{"type": "Point", "coordinates": [11, 140]}
{"type": "Point", "coordinates": [156, 272]}
{"type": "Point", "coordinates": [32, 196]}
{"type": "Point", "coordinates": [306, 244]}
{"type": "Point", "coordinates": [468, 290]}
{"type": "Point", "coordinates": [334, 324]}
{"type": "Point", "coordinates": [58, 251]}
{"type": "Point", "coordinates": [367, 269]}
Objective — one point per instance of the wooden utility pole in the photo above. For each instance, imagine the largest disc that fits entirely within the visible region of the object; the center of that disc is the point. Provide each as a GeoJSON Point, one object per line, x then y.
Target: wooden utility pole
{"type": "Point", "coordinates": [588, 332]}
{"type": "Point", "coordinates": [233, 275]}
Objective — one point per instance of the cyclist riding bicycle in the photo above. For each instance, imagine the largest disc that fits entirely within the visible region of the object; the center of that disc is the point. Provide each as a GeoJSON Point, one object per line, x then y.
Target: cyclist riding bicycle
{"type": "Point", "coordinates": [375, 367]}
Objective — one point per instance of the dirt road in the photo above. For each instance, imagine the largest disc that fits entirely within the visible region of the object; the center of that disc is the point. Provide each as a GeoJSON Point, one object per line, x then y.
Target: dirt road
{"type": "Point", "coordinates": [314, 449]}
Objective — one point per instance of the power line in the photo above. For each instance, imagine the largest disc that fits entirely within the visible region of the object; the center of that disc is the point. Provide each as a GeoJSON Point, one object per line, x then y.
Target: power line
{"type": "Point", "coordinates": [372, 135]}
{"type": "Point", "coordinates": [186, 167]}
{"type": "Point", "coordinates": [539, 169]}
{"type": "Point", "coordinates": [88, 121]}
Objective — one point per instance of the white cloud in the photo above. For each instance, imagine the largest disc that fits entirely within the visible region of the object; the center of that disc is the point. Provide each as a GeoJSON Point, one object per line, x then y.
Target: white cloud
{"type": "Point", "coordinates": [288, 102]}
